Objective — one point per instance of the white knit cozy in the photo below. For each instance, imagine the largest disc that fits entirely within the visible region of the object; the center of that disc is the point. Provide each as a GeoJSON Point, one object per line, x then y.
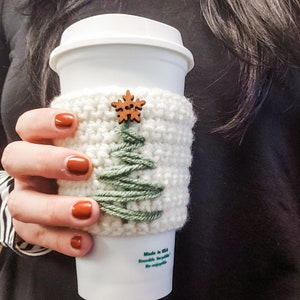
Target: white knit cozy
{"type": "Point", "coordinates": [166, 125]}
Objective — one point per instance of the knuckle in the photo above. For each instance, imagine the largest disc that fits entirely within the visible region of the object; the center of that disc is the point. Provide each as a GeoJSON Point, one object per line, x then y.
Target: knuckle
{"type": "Point", "coordinates": [59, 243]}
{"type": "Point", "coordinates": [12, 205]}
{"type": "Point", "coordinates": [41, 237]}
{"type": "Point", "coordinates": [17, 227]}
{"type": "Point", "coordinates": [19, 127]}
{"type": "Point", "coordinates": [23, 232]}
{"type": "Point", "coordinates": [7, 157]}
{"type": "Point", "coordinates": [51, 212]}
{"type": "Point", "coordinates": [51, 238]}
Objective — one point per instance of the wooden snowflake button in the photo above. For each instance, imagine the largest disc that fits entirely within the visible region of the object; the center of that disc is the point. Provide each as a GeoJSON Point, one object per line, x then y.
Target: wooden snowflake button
{"type": "Point", "coordinates": [128, 108]}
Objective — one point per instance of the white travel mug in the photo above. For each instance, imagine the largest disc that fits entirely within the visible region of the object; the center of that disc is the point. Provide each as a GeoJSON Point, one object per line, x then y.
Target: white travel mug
{"type": "Point", "coordinates": [124, 77]}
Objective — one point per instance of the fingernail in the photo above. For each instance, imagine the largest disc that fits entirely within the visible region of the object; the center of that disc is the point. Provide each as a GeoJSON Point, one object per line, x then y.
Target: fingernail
{"type": "Point", "coordinates": [82, 210]}
{"type": "Point", "coordinates": [64, 120]}
{"type": "Point", "coordinates": [76, 242]}
{"type": "Point", "coordinates": [78, 165]}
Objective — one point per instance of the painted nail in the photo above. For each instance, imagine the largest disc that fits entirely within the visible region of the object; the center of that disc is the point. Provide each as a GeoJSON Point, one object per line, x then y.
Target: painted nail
{"type": "Point", "coordinates": [76, 242]}
{"type": "Point", "coordinates": [82, 210]}
{"type": "Point", "coordinates": [78, 165]}
{"type": "Point", "coordinates": [64, 120]}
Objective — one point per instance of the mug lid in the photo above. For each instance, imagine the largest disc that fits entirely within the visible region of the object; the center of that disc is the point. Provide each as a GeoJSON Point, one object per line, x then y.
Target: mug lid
{"type": "Point", "coordinates": [120, 29]}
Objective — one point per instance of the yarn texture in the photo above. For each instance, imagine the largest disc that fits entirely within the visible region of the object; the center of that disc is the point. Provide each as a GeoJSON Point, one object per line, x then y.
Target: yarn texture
{"type": "Point", "coordinates": [157, 166]}
{"type": "Point", "coordinates": [127, 189]}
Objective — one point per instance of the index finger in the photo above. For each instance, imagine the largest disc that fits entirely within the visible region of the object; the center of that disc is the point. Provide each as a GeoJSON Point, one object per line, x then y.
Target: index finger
{"type": "Point", "coordinates": [42, 124]}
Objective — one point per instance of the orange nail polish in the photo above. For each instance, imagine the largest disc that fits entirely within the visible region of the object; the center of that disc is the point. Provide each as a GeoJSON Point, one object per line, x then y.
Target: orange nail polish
{"type": "Point", "coordinates": [78, 165]}
{"type": "Point", "coordinates": [64, 120]}
{"type": "Point", "coordinates": [82, 210]}
{"type": "Point", "coordinates": [76, 242]}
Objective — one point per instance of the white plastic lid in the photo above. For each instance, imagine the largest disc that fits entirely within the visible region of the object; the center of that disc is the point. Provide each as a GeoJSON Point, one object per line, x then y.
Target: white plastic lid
{"type": "Point", "coordinates": [120, 29]}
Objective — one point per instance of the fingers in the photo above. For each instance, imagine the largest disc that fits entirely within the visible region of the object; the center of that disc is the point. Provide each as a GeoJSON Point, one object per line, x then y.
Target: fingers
{"type": "Point", "coordinates": [63, 211]}
{"type": "Point", "coordinates": [64, 240]}
{"type": "Point", "coordinates": [50, 220]}
{"type": "Point", "coordinates": [41, 216]}
{"type": "Point", "coordinates": [43, 124]}
{"type": "Point", "coordinates": [28, 159]}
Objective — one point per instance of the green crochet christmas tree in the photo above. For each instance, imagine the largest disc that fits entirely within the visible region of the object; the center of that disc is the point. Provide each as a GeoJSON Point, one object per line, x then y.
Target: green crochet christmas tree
{"type": "Point", "coordinates": [123, 188]}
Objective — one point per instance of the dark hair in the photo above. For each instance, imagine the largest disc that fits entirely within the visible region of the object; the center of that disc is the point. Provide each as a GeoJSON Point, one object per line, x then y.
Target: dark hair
{"type": "Point", "coordinates": [265, 37]}
{"type": "Point", "coordinates": [47, 20]}
{"type": "Point", "coordinates": [263, 34]}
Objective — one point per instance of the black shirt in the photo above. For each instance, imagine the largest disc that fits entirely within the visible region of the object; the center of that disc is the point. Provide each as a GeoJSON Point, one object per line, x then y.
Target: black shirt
{"type": "Point", "coordinates": [242, 237]}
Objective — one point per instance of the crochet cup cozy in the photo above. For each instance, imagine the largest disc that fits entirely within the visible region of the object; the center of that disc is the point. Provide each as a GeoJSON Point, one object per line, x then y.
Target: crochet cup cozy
{"type": "Point", "coordinates": [139, 141]}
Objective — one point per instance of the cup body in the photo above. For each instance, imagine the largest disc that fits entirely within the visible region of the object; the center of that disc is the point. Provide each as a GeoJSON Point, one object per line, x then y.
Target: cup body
{"type": "Point", "coordinates": [129, 268]}
{"type": "Point", "coordinates": [125, 64]}
{"type": "Point", "coordinates": [129, 52]}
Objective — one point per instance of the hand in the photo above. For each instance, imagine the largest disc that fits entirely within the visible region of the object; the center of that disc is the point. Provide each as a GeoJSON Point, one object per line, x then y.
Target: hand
{"type": "Point", "coordinates": [40, 216]}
